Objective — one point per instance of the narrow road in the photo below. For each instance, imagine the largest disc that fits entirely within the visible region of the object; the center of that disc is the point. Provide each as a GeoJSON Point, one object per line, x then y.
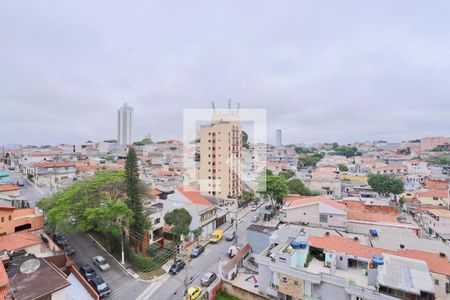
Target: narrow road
{"type": "Point", "coordinates": [122, 285]}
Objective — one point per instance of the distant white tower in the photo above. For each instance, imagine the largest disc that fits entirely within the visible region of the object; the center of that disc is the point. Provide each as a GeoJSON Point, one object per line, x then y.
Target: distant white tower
{"type": "Point", "coordinates": [124, 124]}
{"type": "Point", "coordinates": [279, 143]}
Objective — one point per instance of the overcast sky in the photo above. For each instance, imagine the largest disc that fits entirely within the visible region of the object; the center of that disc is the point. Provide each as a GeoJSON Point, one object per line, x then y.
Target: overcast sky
{"type": "Point", "coordinates": [352, 70]}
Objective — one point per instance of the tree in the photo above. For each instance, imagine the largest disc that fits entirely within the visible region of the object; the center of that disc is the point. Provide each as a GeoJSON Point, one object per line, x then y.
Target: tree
{"type": "Point", "coordinates": [111, 141]}
{"type": "Point", "coordinates": [346, 151]}
{"type": "Point", "coordinates": [179, 221]}
{"type": "Point", "coordinates": [245, 140]}
{"type": "Point", "coordinates": [276, 189]}
{"type": "Point", "coordinates": [287, 174]}
{"type": "Point", "coordinates": [197, 232]}
{"type": "Point", "coordinates": [309, 160]}
{"type": "Point", "coordinates": [385, 184]}
{"type": "Point", "coordinates": [145, 141]}
{"type": "Point", "coordinates": [296, 186]}
{"type": "Point", "coordinates": [343, 168]}
{"type": "Point", "coordinates": [134, 201]}
{"type": "Point", "coordinates": [440, 160]}
{"type": "Point", "coordinates": [95, 203]}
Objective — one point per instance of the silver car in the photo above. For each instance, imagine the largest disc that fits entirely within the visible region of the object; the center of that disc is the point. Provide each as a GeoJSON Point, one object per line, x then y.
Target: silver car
{"type": "Point", "coordinates": [208, 278]}
{"type": "Point", "coordinates": [101, 263]}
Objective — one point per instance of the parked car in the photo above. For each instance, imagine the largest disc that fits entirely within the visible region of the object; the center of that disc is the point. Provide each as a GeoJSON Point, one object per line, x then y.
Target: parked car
{"type": "Point", "coordinates": [255, 219]}
{"type": "Point", "coordinates": [193, 293]}
{"type": "Point", "coordinates": [197, 251]}
{"type": "Point", "coordinates": [11, 168]}
{"type": "Point", "coordinates": [176, 267]}
{"type": "Point", "coordinates": [101, 263]}
{"type": "Point", "coordinates": [269, 207]}
{"type": "Point", "coordinates": [69, 249]}
{"type": "Point", "coordinates": [208, 278]}
{"type": "Point", "coordinates": [60, 239]}
{"type": "Point", "coordinates": [100, 286]}
{"type": "Point", "coordinates": [230, 236]}
{"type": "Point", "coordinates": [20, 182]}
{"type": "Point", "coordinates": [232, 251]}
{"type": "Point", "coordinates": [88, 272]}
{"type": "Point", "coordinates": [254, 207]}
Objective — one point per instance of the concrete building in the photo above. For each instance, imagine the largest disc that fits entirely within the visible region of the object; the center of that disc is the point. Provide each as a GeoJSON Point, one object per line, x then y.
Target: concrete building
{"type": "Point", "coordinates": [220, 157]}
{"type": "Point", "coordinates": [279, 140]}
{"type": "Point", "coordinates": [437, 221]}
{"type": "Point", "coordinates": [124, 124]}
{"type": "Point", "coordinates": [319, 211]}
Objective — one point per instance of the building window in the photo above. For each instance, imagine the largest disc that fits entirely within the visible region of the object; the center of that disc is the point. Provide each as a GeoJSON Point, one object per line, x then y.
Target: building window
{"type": "Point", "coordinates": [295, 282]}
{"type": "Point", "coordinates": [9, 217]}
{"type": "Point", "coordinates": [157, 220]}
{"type": "Point", "coordinates": [284, 279]}
{"type": "Point", "coordinates": [436, 281]}
{"type": "Point", "coordinates": [323, 218]}
{"type": "Point", "coordinates": [3, 219]}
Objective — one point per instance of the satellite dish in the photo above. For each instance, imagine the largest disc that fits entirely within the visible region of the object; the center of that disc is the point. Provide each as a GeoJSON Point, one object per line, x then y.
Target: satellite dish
{"type": "Point", "coordinates": [30, 266]}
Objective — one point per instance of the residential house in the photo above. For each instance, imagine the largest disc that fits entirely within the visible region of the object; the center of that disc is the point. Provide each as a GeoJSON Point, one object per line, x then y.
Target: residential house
{"type": "Point", "coordinates": [319, 210]}
{"type": "Point", "coordinates": [154, 214]}
{"type": "Point", "coordinates": [17, 219]}
{"type": "Point", "coordinates": [437, 222]}
{"type": "Point", "coordinates": [326, 183]}
{"type": "Point", "coordinates": [53, 174]}
{"type": "Point", "coordinates": [434, 197]}
{"type": "Point", "coordinates": [10, 190]}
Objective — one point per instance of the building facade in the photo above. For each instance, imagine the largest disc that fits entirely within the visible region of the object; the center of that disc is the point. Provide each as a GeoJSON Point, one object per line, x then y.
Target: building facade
{"type": "Point", "coordinates": [220, 157]}
{"type": "Point", "coordinates": [124, 124]}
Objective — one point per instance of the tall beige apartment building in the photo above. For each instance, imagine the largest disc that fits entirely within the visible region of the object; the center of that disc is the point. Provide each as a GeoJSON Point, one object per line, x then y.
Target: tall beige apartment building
{"type": "Point", "coordinates": [220, 157]}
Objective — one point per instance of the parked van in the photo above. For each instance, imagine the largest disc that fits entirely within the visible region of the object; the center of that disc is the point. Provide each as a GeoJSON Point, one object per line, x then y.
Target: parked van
{"type": "Point", "coordinates": [216, 236]}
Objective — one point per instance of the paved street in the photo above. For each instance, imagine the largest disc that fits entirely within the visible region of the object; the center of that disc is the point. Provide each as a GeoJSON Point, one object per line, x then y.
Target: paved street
{"type": "Point", "coordinates": [28, 192]}
{"type": "Point", "coordinates": [122, 285]}
{"type": "Point", "coordinates": [172, 287]}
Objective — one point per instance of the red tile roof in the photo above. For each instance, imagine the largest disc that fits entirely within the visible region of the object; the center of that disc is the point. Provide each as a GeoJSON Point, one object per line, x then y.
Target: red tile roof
{"type": "Point", "coordinates": [194, 196]}
{"type": "Point", "coordinates": [86, 168]}
{"type": "Point", "coordinates": [435, 262]}
{"type": "Point", "coordinates": [297, 200]}
{"type": "Point", "coordinates": [371, 217]}
{"type": "Point", "coordinates": [434, 193]}
{"type": "Point", "coordinates": [18, 241]}
{"type": "Point", "coordinates": [8, 187]}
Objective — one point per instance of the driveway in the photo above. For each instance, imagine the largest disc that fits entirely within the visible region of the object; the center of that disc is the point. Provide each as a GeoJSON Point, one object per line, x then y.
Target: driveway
{"type": "Point", "coordinates": [122, 285]}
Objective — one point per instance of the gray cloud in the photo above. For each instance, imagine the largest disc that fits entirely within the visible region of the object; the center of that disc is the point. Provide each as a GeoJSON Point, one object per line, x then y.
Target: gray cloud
{"type": "Point", "coordinates": [325, 71]}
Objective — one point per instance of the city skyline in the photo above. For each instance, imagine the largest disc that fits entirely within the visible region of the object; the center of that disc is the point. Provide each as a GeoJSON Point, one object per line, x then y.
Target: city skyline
{"type": "Point", "coordinates": [378, 75]}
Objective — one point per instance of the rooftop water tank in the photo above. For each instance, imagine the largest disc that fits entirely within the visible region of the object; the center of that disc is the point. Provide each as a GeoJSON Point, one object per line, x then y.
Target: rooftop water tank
{"type": "Point", "coordinates": [300, 242]}
{"type": "Point", "coordinates": [377, 260]}
{"type": "Point", "coordinates": [373, 232]}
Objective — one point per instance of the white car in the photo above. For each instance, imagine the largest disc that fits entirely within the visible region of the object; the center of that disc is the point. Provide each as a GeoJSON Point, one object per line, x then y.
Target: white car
{"type": "Point", "coordinates": [101, 263]}
{"type": "Point", "coordinates": [254, 207]}
{"type": "Point", "coordinates": [232, 251]}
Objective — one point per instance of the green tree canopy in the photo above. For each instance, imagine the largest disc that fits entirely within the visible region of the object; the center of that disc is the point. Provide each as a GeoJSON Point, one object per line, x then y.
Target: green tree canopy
{"type": "Point", "coordinates": [95, 203]}
{"type": "Point", "coordinates": [287, 174]}
{"type": "Point", "coordinates": [309, 160]}
{"type": "Point", "coordinates": [179, 221]}
{"type": "Point", "coordinates": [346, 151]}
{"type": "Point", "coordinates": [296, 186]}
{"type": "Point", "coordinates": [385, 184]}
{"type": "Point", "coordinates": [440, 160]}
{"type": "Point", "coordinates": [276, 188]}
{"type": "Point", "coordinates": [245, 139]}
{"type": "Point", "coordinates": [343, 168]}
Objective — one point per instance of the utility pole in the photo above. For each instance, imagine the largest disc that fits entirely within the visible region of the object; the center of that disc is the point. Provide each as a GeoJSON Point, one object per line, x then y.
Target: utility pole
{"type": "Point", "coordinates": [236, 228]}
{"type": "Point", "coordinates": [186, 279]}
